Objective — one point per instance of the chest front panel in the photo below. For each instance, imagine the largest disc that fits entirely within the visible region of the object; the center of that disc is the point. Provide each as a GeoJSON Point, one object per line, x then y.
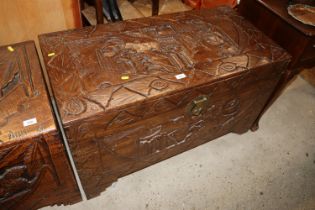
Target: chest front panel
{"type": "Point", "coordinates": [127, 140]}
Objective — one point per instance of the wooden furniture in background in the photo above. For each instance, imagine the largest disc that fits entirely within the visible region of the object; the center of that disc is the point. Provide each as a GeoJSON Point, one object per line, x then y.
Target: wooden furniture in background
{"type": "Point", "coordinates": [99, 9]}
{"type": "Point", "coordinates": [197, 4]}
{"type": "Point", "coordinates": [272, 18]}
{"type": "Point", "coordinates": [24, 20]}
{"type": "Point", "coordinates": [134, 93]}
{"type": "Point", "coordinates": [34, 169]}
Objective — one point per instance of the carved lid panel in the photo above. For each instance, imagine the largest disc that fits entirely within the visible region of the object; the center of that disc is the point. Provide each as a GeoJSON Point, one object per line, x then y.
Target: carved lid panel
{"type": "Point", "coordinates": [24, 107]}
{"type": "Point", "coordinates": [96, 69]}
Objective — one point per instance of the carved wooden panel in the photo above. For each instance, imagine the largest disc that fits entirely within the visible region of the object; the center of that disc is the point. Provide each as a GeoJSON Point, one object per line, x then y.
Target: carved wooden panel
{"type": "Point", "coordinates": [87, 65]}
{"type": "Point", "coordinates": [34, 170]}
{"type": "Point", "coordinates": [35, 173]}
{"type": "Point", "coordinates": [22, 94]}
{"type": "Point", "coordinates": [125, 91]}
{"type": "Point", "coordinates": [113, 145]}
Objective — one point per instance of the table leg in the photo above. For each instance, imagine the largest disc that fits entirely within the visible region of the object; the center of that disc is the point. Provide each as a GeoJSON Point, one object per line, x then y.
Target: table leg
{"type": "Point", "coordinates": [99, 11]}
{"type": "Point", "coordinates": [155, 7]}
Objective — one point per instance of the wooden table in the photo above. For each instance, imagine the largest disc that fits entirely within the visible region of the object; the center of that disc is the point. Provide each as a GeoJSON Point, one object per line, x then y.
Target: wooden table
{"type": "Point", "coordinates": [272, 18]}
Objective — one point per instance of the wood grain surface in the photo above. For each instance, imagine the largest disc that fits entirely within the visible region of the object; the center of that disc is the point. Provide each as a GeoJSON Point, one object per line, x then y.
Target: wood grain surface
{"type": "Point", "coordinates": [133, 93]}
{"type": "Point", "coordinates": [34, 169]}
{"type": "Point", "coordinates": [272, 18]}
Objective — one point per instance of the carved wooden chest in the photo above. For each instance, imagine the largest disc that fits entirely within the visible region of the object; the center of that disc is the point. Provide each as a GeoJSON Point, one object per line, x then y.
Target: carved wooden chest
{"type": "Point", "coordinates": [133, 93]}
{"type": "Point", "coordinates": [34, 169]}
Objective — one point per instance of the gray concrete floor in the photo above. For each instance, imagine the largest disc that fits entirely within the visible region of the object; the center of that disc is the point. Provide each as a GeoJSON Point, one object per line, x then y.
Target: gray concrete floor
{"type": "Point", "coordinates": [273, 168]}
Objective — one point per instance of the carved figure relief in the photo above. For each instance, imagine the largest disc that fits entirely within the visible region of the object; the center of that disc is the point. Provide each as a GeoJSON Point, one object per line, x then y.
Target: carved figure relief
{"type": "Point", "coordinates": [22, 168]}
{"type": "Point", "coordinates": [189, 43]}
{"type": "Point", "coordinates": [177, 130]}
{"type": "Point", "coordinates": [131, 141]}
{"type": "Point", "coordinates": [123, 106]}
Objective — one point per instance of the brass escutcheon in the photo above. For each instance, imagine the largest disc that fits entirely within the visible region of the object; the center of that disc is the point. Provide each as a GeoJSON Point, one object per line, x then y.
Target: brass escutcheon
{"type": "Point", "coordinates": [198, 105]}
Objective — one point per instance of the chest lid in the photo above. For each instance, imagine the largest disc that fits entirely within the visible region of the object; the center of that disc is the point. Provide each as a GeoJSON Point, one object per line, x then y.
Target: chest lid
{"type": "Point", "coordinates": [24, 106]}
{"type": "Point", "coordinates": [96, 69]}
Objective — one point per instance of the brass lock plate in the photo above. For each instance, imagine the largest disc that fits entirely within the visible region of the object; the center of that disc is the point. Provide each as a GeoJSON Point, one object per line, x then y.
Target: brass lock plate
{"type": "Point", "coordinates": [198, 105]}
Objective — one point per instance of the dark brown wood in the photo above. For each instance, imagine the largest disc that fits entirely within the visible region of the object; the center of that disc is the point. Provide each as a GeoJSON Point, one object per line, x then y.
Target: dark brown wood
{"type": "Point", "coordinates": [280, 9]}
{"type": "Point", "coordinates": [155, 7]}
{"type": "Point", "coordinates": [133, 93]}
{"type": "Point", "coordinates": [77, 6]}
{"type": "Point", "coordinates": [273, 19]}
{"type": "Point", "coordinates": [99, 11]}
{"type": "Point", "coordinates": [82, 6]}
{"type": "Point", "coordinates": [34, 169]}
